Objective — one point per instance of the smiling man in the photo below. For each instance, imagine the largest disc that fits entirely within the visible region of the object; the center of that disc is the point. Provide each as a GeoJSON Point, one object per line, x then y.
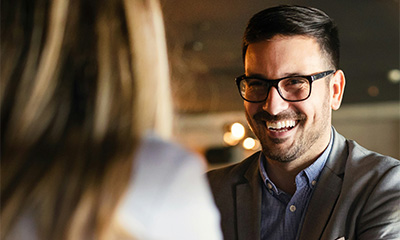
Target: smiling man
{"type": "Point", "coordinates": [308, 182]}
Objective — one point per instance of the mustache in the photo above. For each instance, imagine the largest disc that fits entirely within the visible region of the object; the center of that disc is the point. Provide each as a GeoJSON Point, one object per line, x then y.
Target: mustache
{"type": "Point", "coordinates": [267, 117]}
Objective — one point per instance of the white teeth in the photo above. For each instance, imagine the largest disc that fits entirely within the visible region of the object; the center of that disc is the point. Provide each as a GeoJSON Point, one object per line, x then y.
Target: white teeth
{"type": "Point", "coordinates": [281, 124]}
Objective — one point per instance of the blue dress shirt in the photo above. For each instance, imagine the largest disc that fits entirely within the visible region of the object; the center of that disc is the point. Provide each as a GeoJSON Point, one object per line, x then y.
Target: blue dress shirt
{"type": "Point", "coordinates": [281, 213]}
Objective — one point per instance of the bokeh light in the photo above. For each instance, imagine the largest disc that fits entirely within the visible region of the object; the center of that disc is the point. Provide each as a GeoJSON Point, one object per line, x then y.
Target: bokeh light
{"type": "Point", "coordinates": [237, 131]}
{"type": "Point", "coordinates": [229, 140]}
{"type": "Point", "coordinates": [249, 143]}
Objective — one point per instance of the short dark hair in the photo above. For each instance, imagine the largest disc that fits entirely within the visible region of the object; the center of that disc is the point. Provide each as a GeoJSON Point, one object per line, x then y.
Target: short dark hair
{"type": "Point", "coordinates": [291, 20]}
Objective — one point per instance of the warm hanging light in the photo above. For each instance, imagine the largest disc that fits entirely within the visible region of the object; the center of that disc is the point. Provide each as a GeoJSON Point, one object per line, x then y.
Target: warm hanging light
{"type": "Point", "coordinates": [394, 75]}
{"type": "Point", "coordinates": [249, 143]}
{"type": "Point", "coordinates": [229, 139]}
{"type": "Point", "coordinates": [237, 131]}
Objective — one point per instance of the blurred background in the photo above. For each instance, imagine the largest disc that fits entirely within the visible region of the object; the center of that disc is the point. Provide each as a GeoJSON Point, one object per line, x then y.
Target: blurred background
{"type": "Point", "coordinates": [204, 40]}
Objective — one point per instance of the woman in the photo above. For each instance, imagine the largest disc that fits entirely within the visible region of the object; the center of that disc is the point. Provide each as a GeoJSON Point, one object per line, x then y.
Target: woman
{"type": "Point", "coordinates": [81, 83]}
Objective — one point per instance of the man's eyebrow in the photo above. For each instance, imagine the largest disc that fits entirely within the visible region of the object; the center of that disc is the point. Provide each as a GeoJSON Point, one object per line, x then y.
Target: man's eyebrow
{"type": "Point", "coordinates": [257, 75]}
{"type": "Point", "coordinates": [294, 74]}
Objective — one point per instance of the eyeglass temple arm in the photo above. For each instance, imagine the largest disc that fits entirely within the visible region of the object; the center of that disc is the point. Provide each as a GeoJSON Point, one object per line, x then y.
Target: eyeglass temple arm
{"type": "Point", "coordinates": [321, 75]}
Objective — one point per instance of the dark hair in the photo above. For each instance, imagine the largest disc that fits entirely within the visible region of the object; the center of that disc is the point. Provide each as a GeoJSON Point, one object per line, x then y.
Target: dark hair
{"type": "Point", "coordinates": [74, 75]}
{"type": "Point", "coordinates": [290, 20]}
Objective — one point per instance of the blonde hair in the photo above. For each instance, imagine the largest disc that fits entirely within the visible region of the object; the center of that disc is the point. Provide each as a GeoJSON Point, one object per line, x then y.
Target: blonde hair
{"type": "Point", "coordinates": [81, 81]}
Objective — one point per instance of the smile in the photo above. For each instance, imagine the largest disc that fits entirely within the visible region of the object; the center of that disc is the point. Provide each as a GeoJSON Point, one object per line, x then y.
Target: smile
{"type": "Point", "coordinates": [281, 126]}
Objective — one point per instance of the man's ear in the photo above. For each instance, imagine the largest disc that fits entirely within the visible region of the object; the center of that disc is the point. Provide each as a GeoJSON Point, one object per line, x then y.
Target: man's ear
{"type": "Point", "coordinates": [337, 89]}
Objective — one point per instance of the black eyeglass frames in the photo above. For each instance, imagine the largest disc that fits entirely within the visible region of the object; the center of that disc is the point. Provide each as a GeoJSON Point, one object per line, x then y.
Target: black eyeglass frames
{"type": "Point", "coordinates": [292, 88]}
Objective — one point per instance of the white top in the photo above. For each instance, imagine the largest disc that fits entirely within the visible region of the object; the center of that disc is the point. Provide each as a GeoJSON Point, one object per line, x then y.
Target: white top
{"type": "Point", "coordinates": [169, 196]}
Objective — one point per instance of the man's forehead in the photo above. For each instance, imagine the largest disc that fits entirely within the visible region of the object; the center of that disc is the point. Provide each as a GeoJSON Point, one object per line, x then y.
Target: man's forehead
{"type": "Point", "coordinates": [275, 62]}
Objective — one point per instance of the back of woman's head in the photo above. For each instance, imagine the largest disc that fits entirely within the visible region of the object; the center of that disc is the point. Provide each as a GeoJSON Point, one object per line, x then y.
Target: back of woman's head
{"type": "Point", "coordinates": [80, 83]}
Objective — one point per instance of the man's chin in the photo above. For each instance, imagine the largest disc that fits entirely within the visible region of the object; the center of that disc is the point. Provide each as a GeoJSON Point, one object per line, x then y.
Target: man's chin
{"type": "Point", "coordinates": [279, 141]}
{"type": "Point", "coordinates": [279, 151]}
{"type": "Point", "coordinates": [282, 157]}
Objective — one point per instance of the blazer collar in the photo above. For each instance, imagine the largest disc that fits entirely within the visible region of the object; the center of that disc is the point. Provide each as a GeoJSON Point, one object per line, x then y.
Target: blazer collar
{"type": "Point", "coordinates": [248, 202]}
{"type": "Point", "coordinates": [324, 198]}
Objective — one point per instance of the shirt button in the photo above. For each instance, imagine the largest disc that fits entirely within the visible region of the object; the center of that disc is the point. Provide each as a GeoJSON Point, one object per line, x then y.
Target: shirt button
{"type": "Point", "coordinates": [314, 182]}
{"type": "Point", "coordinates": [269, 185]}
{"type": "Point", "coordinates": [292, 208]}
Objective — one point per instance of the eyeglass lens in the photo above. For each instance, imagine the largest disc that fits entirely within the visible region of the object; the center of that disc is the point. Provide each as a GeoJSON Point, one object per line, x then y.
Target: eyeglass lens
{"type": "Point", "coordinates": [292, 89]}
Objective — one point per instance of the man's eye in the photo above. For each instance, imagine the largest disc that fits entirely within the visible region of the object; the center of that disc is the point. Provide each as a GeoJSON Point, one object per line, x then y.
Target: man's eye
{"type": "Point", "coordinates": [296, 81]}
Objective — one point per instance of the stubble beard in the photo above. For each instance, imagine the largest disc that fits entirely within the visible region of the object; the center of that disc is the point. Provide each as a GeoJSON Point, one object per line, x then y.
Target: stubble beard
{"type": "Point", "coordinates": [273, 149]}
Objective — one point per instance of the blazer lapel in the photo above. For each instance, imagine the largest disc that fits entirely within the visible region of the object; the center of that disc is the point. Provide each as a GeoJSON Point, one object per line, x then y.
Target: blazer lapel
{"type": "Point", "coordinates": [248, 204]}
{"type": "Point", "coordinates": [324, 198]}
{"type": "Point", "coordinates": [320, 207]}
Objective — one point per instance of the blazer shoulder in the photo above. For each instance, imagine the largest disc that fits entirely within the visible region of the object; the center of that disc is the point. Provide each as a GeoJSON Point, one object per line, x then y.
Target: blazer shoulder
{"type": "Point", "coordinates": [366, 171]}
{"type": "Point", "coordinates": [362, 158]}
{"type": "Point", "coordinates": [373, 180]}
{"type": "Point", "coordinates": [348, 157]}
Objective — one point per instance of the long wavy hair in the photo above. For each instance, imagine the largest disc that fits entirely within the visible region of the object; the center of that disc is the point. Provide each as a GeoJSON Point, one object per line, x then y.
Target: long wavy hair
{"type": "Point", "coordinates": [81, 81]}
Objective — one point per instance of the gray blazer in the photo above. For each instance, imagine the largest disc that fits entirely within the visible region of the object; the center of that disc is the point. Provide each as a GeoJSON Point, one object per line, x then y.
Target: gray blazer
{"type": "Point", "coordinates": [357, 196]}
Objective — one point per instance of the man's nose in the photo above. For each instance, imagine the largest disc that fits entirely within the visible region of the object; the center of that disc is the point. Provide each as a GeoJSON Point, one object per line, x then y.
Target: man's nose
{"type": "Point", "coordinates": [275, 103]}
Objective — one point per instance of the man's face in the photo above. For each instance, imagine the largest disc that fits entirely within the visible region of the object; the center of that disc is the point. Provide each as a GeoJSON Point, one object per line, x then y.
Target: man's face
{"type": "Point", "coordinates": [289, 130]}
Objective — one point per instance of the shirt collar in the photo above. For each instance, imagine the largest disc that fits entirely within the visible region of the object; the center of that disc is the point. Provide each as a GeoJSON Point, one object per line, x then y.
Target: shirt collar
{"type": "Point", "coordinates": [312, 172]}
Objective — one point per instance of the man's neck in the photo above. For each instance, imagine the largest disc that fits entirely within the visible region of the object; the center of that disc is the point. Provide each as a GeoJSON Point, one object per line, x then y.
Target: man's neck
{"type": "Point", "coordinates": [283, 174]}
